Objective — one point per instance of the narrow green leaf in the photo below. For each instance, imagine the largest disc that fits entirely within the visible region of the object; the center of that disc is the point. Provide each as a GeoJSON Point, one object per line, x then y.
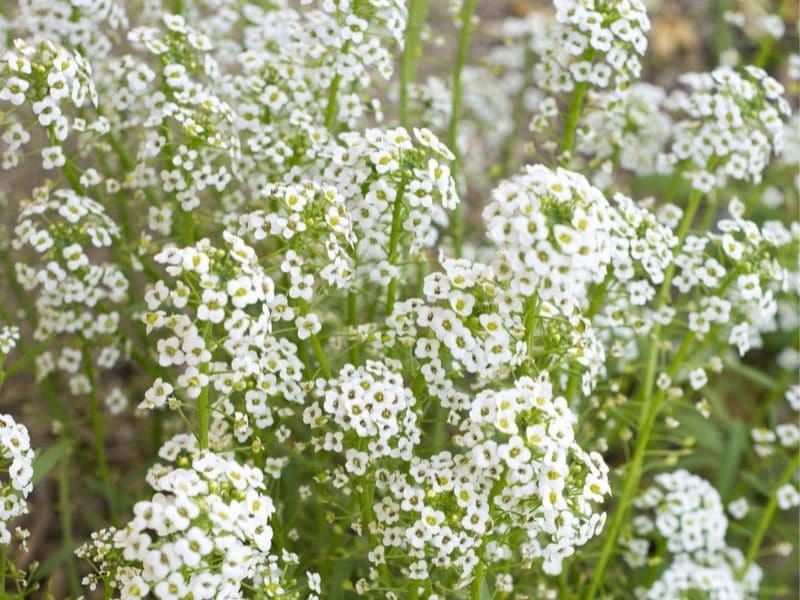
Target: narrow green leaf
{"type": "Point", "coordinates": [53, 561]}
{"type": "Point", "coordinates": [45, 461]}
{"type": "Point", "coordinates": [732, 458]}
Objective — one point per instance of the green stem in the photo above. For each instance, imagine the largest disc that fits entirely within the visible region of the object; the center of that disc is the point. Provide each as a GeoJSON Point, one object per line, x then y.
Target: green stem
{"type": "Point", "coordinates": [573, 116]}
{"type": "Point", "coordinates": [518, 112]}
{"type": "Point", "coordinates": [768, 515]}
{"type": "Point", "coordinates": [65, 512]}
{"type": "Point", "coordinates": [352, 323]}
{"type": "Point", "coordinates": [203, 408]}
{"type": "Point", "coordinates": [650, 406]}
{"type": "Point", "coordinates": [365, 506]}
{"type": "Point", "coordinates": [188, 227]}
{"type": "Point", "coordinates": [467, 13]}
{"type": "Point", "coordinates": [394, 240]}
{"type": "Point", "coordinates": [598, 296]}
{"type": "Point", "coordinates": [722, 33]}
{"type": "Point", "coordinates": [765, 50]}
{"type": "Point", "coordinates": [319, 353]}
{"type": "Point", "coordinates": [417, 14]}
{"type": "Point", "coordinates": [3, 566]}
{"type": "Point", "coordinates": [332, 107]}
{"type": "Point", "coordinates": [98, 437]}
{"type": "Point", "coordinates": [316, 345]}
{"type": "Point", "coordinates": [476, 589]}
{"type": "Point", "coordinates": [203, 418]}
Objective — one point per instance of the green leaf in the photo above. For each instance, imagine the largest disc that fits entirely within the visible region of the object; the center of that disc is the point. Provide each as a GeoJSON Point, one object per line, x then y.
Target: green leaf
{"type": "Point", "coordinates": [53, 561]}
{"type": "Point", "coordinates": [485, 594]}
{"type": "Point", "coordinates": [732, 458]}
{"type": "Point", "coordinates": [45, 461]}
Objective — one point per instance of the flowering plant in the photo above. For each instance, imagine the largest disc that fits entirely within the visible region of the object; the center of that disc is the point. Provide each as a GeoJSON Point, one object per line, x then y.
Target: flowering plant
{"type": "Point", "coordinates": [285, 325]}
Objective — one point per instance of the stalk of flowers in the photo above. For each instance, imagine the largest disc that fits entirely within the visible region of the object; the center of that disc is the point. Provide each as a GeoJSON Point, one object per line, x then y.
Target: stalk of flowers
{"type": "Point", "coordinates": [649, 412]}
{"type": "Point", "coordinates": [400, 188]}
{"type": "Point", "coordinates": [78, 300]}
{"type": "Point", "coordinates": [689, 517]}
{"type": "Point", "coordinates": [730, 280]}
{"type": "Point", "coordinates": [628, 129]}
{"type": "Point", "coordinates": [17, 457]}
{"type": "Point", "coordinates": [47, 78]}
{"type": "Point", "coordinates": [488, 505]}
{"type": "Point", "coordinates": [202, 132]}
{"type": "Point", "coordinates": [205, 533]}
{"type": "Point", "coordinates": [84, 24]}
{"type": "Point", "coordinates": [16, 462]}
{"type": "Point", "coordinates": [733, 123]}
{"type": "Point", "coordinates": [603, 41]}
{"type": "Point", "coordinates": [223, 291]}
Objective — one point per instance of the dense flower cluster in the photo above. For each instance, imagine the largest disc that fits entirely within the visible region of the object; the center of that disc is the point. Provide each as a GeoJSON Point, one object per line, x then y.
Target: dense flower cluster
{"type": "Point", "coordinates": [370, 402]}
{"type": "Point", "coordinates": [732, 122]}
{"type": "Point", "coordinates": [689, 516]}
{"type": "Point", "coordinates": [628, 127]}
{"type": "Point", "coordinates": [552, 231]}
{"type": "Point", "coordinates": [604, 39]}
{"type": "Point", "coordinates": [204, 534]}
{"type": "Point", "coordinates": [16, 461]}
{"type": "Point", "coordinates": [714, 576]}
{"type": "Point", "coordinates": [228, 291]}
{"type": "Point", "coordinates": [519, 489]}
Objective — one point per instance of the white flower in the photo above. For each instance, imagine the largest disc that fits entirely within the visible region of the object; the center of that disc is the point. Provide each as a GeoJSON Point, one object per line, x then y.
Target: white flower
{"type": "Point", "coordinates": [307, 325]}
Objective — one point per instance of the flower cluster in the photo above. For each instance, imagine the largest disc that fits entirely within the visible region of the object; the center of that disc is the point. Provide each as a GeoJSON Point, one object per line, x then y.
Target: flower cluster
{"type": "Point", "coordinates": [16, 457]}
{"type": "Point", "coordinates": [9, 336]}
{"type": "Point", "coordinates": [78, 298]}
{"type": "Point", "coordinates": [520, 489]}
{"type": "Point", "coordinates": [371, 403]}
{"type": "Point", "coordinates": [311, 221]}
{"type": "Point", "coordinates": [472, 319]}
{"type": "Point", "coordinates": [603, 39]}
{"type": "Point", "coordinates": [628, 127]}
{"type": "Point", "coordinates": [398, 188]}
{"type": "Point", "coordinates": [690, 517]}
{"type": "Point", "coordinates": [732, 122]}
{"type": "Point", "coordinates": [714, 576]}
{"type": "Point", "coordinates": [551, 229]}
{"type": "Point", "coordinates": [45, 76]}
{"type": "Point", "coordinates": [227, 290]}
{"type": "Point", "coordinates": [205, 533]}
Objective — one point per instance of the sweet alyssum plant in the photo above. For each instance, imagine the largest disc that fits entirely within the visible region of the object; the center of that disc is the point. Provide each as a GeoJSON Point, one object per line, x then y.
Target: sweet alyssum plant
{"type": "Point", "coordinates": [524, 330]}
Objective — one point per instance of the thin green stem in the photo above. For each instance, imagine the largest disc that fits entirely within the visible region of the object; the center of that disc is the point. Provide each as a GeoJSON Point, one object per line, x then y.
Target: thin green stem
{"type": "Point", "coordinates": [598, 296]}
{"type": "Point", "coordinates": [187, 221]}
{"type": "Point", "coordinates": [467, 14]}
{"type": "Point", "coordinates": [417, 14]}
{"type": "Point", "coordinates": [352, 323]}
{"type": "Point", "coordinates": [3, 566]}
{"type": "Point", "coordinates": [650, 406]}
{"type": "Point", "coordinates": [722, 32]}
{"type": "Point", "coordinates": [98, 435]}
{"type": "Point", "coordinates": [65, 512]}
{"type": "Point", "coordinates": [203, 408]}
{"type": "Point", "coordinates": [319, 353]}
{"type": "Point", "coordinates": [367, 516]}
{"type": "Point", "coordinates": [768, 43]}
{"type": "Point", "coordinates": [573, 116]}
{"type": "Point", "coordinates": [476, 589]}
{"type": "Point", "coordinates": [332, 107]}
{"type": "Point", "coordinates": [394, 241]}
{"type": "Point", "coordinates": [518, 112]}
{"type": "Point", "coordinates": [316, 345]}
{"type": "Point", "coordinates": [768, 515]}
